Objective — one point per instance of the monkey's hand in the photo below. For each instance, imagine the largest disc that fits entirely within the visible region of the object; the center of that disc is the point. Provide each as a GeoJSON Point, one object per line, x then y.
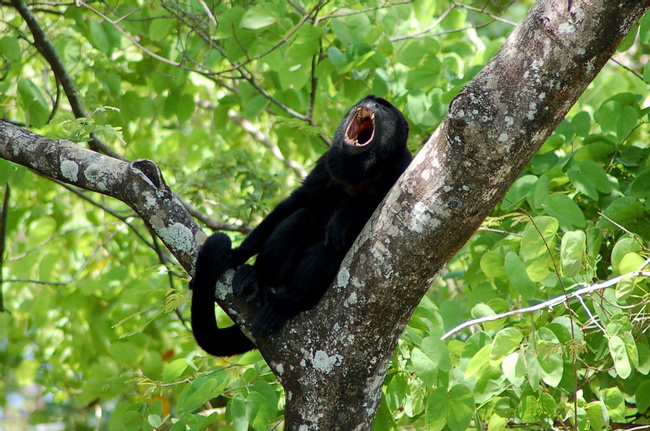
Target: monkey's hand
{"type": "Point", "coordinates": [245, 284]}
{"type": "Point", "coordinates": [339, 232]}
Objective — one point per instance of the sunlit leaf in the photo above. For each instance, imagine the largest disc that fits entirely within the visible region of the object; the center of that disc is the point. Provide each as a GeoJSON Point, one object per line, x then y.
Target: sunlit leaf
{"type": "Point", "coordinates": [572, 250]}
{"type": "Point", "coordinates": [454, 408]}
{"type": "Point", "coordinates": [565, 210]}
{"type": "Point", "coordinates": [619, 355]}
{"type": "Point", "coordinates": [259, 16]}
{"type": "Point", "coordinates": [504, 343]}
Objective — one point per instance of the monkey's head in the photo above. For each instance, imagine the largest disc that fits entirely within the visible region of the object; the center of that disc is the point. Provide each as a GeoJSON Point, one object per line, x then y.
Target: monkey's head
{"type": "Point", "coordinates": [372, 132]}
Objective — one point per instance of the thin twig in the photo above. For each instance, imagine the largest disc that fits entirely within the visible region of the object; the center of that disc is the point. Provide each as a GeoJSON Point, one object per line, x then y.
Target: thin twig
{"type": "Point", "coordinates": [624, 229]}
{"type": "Point", "coordinates": [546, 304]}
{"type": "Point", "coordinates": [483, 11]}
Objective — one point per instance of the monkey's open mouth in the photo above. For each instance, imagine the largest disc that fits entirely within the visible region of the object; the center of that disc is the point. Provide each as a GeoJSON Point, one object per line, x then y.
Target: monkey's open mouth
{"type": "Point", "coordinates": [362, 127]}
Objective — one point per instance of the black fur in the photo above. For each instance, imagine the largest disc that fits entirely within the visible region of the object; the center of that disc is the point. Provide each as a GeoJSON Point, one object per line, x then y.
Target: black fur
{"type": "Point", "coordinates": [302, 242]}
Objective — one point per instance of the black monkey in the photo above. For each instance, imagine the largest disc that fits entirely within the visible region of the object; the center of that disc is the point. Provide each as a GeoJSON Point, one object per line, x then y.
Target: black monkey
{"type": "Point", "coordinates": [302, 242]}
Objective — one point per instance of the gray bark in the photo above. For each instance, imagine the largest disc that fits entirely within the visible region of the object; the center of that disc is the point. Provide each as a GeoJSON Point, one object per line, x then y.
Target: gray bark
{"type": "Point", "coordinates": [139, 184]}
{"type": "Point", "coordinates": [332, 360]}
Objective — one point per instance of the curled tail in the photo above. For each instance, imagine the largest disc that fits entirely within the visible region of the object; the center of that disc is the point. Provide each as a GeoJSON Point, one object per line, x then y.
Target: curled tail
{"type": "Point", "coordinates": [212, 261]}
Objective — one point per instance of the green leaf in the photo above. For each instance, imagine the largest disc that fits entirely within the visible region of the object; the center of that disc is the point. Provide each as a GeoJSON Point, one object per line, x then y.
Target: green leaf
{"type": "Point", "coordinates": [154, 420]}
{"type": "Point", "coordinates": [514, 368]}
{"type": "Point", "coordinates": [98, 38]}
{"type": "Point", "coordinates": [160, 28]}
{"type": "Point", "coordinates": [549, 357]}
{"type": "Point", "coordinates": [581, 123]}
{"type": "Point", "coordinates": [454, 408]}
{"type": "Point", "coordinates": [597, 148]}
{"type": "Point", "coordinates": [533, 409]}
{"type": "Point", "coordinates": [249, 411]}
{"type": "Point", "coordinates": [630, 262]}
{"type": "Point", "coordinates": [424, 367]}
{"type": "Point", "coordinates": [26, 371]}
{"type": "Point", "coordinates": [597, 416]}
{"type": "Point", "coordinates": [436, 349]}
{"type": "Point", "coordinates": [596, 175]}
{"type": "Point", "coordinates": [533, 369]}
{"type": "Point", "coordinates": [518, 191]}
{"type": "Point", "coordinates": [625, 287]}
{"type": "Point", "coordinates": [624, 210]}
{"type": "Point", "coordinates": [629, 118]}
{"type": "Point", "coordinates": [644, 29]}
{"type": "Point", "coordinates": [516, 270]}
{"type": "Point", "coordinates": [643, 396]}
{"type": "Point", "coordinates": [608, 116]}
{"type": "Point", "coordinates": [478, 362]}
{"type": "Point", "coordinates": [622, 247]}
{"type": "Point", "coordinates": [184, 107]}
{"type": "Point", "coordinates": [10, 48]}
{"type": "Point", "coordinates": [33, 102]}
{"type": "Point", "coordinates": [640, 187]}
{"type": "Point", "coordinates": [198, 393]}
{"type": "Point", "coordinates": [537, 234]}
{"type": "Point", "coordinates": [174, 370]}
{"type": "Point", "coordinates": [533, 250]}
{"type": "Point", "coordinates": [488, 385]}
{"type": "Point", "coordinates": [538, 194]}
{"type": "Point", "coordinates": [505, 342]}
{"type": "Point", "coordinates": [492, 265]}
{"type": "Point", "coordinates": [619, 355]}
{"type": "Point", "coordinates": [125, 353]}
{"type": "Point", "coordinates": [397, 390]}
{"type": "Point", "coordinates": [411, 53]}
{"type": "Point", "coordinates": [572, 250]}
{"type": "Point", "coordinates": [255, 106]}
{"type": "Point", "coordinates": [582, 184]}
{"type": "Point", "coordinates": [418, 105]}
{"type": "Point", "coordinates": [259, 16]}
{"type": "Point", "coordinates": [615, 403]}
{"type": "Point", "coordinates": [643, 353]}
{"type": "Point", "coordinates": [497, 423]}
{"type": "Point", "coordinates": [239, 414]}
{"type": "Point", "coordinates": [565, 210]}
{"type": "Point", "coordinates": [631, 348]}
{"type": "Point", "coordinates": [262, 412]}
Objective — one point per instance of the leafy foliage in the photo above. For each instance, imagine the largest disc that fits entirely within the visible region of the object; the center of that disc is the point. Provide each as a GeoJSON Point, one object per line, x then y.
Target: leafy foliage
{"type": "Point", "coordinates": [95, 334]}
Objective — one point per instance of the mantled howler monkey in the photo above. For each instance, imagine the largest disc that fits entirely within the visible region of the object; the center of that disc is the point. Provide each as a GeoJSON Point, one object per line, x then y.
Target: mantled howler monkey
{"type": "Point", "coordinates": [302, 242]}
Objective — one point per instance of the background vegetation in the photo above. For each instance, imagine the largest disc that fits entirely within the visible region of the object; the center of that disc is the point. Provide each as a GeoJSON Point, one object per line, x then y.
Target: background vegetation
{"type": "Point", "coordinates": [235, 101]}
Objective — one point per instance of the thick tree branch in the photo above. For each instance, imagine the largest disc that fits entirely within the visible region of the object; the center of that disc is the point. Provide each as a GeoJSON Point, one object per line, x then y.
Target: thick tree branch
{"type": "Point", "coordinates": [138, 184]}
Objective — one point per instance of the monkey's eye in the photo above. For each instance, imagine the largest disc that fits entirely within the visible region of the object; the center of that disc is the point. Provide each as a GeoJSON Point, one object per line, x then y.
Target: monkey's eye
{"type": "Point", "coordinates": [361, 129]}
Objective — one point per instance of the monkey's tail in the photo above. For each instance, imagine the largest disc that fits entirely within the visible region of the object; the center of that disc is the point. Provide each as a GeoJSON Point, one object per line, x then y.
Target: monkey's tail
{"type": "Point", "coordinates": [212, 261]}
